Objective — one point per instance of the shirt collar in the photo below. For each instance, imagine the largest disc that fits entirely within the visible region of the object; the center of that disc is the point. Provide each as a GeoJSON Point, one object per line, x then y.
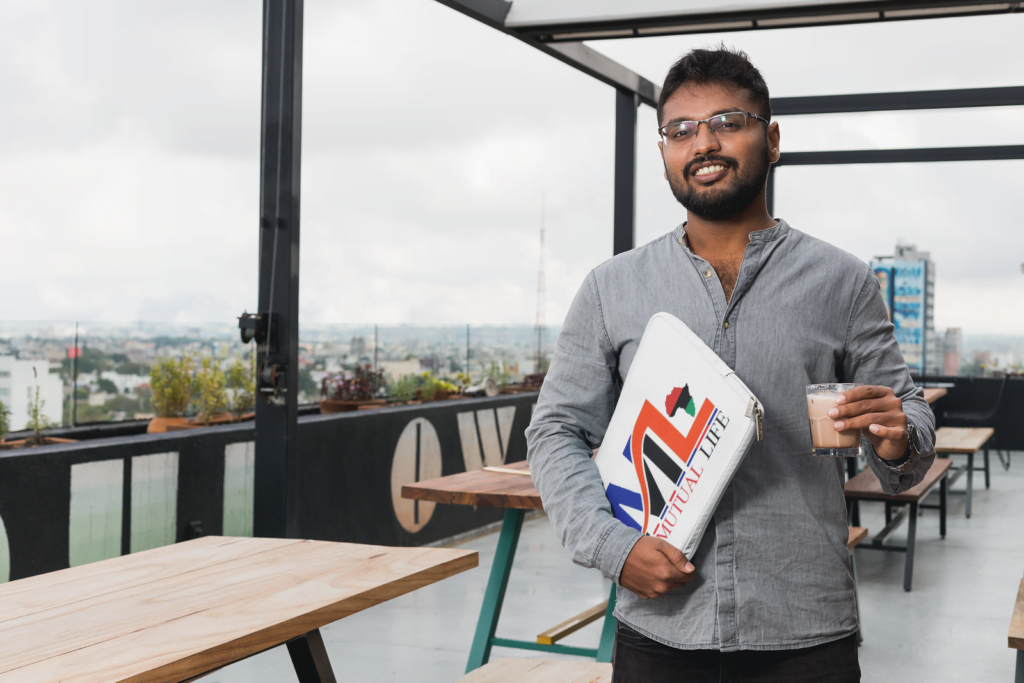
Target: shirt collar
{"type": "Point", "coordinates": [768, 235]}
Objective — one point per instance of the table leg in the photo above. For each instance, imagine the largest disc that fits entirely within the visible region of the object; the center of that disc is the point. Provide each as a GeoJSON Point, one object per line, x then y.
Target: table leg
{"type": "Point", "coordinates": [480, 652]}
{"type": "Point", "coordinates": [987, 477]}
{"type": "Point", "coordinates": [943, 495]}
{"type": "Point", "coordinates": [908, 568]}
{"type": "Point", "coordinates": [1019, 676]}
{"type": "Point", "coordinates": [309, 657]}
{"type": "Point", "coordinates": [854, 512]}
{"type": "Point", "coordinates": [970, 481]}
{"type": "Point", "coordinates": [604, 650]}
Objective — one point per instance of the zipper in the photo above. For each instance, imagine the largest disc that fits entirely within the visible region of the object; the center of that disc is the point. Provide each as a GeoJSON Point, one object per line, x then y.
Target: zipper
{"type": "Point", "coordinates": [753, 409]}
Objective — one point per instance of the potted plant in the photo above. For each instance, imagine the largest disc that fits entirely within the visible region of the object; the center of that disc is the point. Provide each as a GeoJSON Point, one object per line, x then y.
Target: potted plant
{"type": "Point", "coordinates": [351, 391]}
{"type": "Point", "coordinates": [210, 393]}
{"type": "Point", "coordinates": [171, 382]}
{"type": "Point", "coordinates": [241, 386]}
{"type": "Point", "coordinates": [37, 422]}
{"type": "Point", "coordinates": [403, 389]}
{"type": "Point", "coordinates": [5, 424]}
{"type": "Point", "coordinates": [434, 389]}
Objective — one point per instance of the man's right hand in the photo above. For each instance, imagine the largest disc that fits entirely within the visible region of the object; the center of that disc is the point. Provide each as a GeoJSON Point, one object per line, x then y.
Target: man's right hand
{"type": "Point", "coordinates": [653, 568]}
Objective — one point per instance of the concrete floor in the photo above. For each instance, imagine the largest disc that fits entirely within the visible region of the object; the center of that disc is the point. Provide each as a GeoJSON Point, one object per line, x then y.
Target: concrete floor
{"type": "Point", "coordinates": [951, 627]}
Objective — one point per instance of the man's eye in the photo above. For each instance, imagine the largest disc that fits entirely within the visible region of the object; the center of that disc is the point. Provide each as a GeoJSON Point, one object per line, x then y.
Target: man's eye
{"type": "Point", "coordinates": [727, 126]}
{"type": "Point", "coordinates": [681, 134]}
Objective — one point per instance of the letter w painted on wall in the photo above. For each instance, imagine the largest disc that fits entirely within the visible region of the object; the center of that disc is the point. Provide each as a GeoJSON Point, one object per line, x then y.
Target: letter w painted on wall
{"type": "Point", "coordinates": [484, 435]}
{"type": "Point", "coordinates": [681, 446]}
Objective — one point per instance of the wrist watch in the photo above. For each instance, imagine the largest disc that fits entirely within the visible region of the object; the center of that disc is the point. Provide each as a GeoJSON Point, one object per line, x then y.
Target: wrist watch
{"type": "Point", "coordinates": [914, 448]}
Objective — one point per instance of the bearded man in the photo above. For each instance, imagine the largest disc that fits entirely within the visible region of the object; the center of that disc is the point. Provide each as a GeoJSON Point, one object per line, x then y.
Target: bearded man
{"type": "Point", "coordinates": [769, 594]}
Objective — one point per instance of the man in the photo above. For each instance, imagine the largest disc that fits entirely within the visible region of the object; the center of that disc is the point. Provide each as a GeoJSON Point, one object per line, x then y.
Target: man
{"type": "Point", "coordinates": [768, 595]}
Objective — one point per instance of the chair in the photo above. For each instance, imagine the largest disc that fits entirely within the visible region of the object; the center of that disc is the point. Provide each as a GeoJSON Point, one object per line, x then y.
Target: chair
{"type": "Point", "coordinates": [978, 418]}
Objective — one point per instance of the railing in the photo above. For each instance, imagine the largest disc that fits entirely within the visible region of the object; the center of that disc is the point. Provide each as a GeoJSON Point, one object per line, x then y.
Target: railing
{"type": "Point", "coordinates": [1002, 397]}
{"type": "Point", "coordinates": [68, 504]}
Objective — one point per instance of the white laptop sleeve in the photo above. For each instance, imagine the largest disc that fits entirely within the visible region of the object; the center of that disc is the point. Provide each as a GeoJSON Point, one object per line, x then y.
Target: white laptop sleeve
{"type": "Point", "coordinates": [683, 424]}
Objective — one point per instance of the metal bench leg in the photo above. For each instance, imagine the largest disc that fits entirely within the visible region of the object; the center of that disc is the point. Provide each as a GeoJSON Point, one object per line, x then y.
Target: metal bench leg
{"type": "Point", "coordinates": [604, 650]}
{"type": "Point", "coordinates": [480, 652]}
{"type": "Point", "coordinates": [987, 471]}
{"type": "Point", "coordinates": [943, 495]}
{"type": "Point", "coordinates": [888, 513]}
{"type": "Point", "coordinates": [309, 657]}
{"type": "Point", "coordinates": [970, 482]}
{"type": "Point", "coordinates": [1019, 676]}
{"type": "Point", "coordinates": [908, 568]}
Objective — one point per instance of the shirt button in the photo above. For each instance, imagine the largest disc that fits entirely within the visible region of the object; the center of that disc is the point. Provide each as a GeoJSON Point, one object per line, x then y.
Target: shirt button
{"type": "Point", "coordinates": [707, 273]}
{"type": "Point", "coordinates": [726, 324]}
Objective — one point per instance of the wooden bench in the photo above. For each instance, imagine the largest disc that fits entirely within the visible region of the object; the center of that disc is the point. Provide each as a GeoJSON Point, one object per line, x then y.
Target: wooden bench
{"type": "Point", "coordinates": [865, 486]}
{"type": "Point", "coordinates": [964, 441]}
{"type": "Point", "coordinates": [1015, 639]}
{"type": "Point", "coordinates": [506, 670]}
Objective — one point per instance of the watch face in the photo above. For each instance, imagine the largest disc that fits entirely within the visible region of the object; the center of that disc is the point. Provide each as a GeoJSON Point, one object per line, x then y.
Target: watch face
{"type": "Point", "coordinates": [914, 439]}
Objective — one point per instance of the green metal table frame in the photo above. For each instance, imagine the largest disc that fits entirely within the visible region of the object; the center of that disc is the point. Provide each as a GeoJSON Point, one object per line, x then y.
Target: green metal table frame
{"type": "Point", "coordinates": [485, 637]}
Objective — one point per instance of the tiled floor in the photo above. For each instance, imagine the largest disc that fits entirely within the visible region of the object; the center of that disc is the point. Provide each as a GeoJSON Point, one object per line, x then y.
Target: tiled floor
{"type": "Point", "coordinates": [951, 627]}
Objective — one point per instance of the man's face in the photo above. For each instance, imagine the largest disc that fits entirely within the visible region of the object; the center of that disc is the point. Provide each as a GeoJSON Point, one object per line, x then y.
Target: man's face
{"type": "Point", "coordinates": [740, 162]}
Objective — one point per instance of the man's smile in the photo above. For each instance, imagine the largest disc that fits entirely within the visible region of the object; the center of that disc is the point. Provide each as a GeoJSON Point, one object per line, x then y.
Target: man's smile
{"type": "Point", "coordinates": [709, 171]}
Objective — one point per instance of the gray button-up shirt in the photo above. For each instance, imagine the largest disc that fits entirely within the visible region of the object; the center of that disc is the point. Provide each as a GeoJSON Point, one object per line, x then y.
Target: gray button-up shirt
{"type": "Point", "coordinates": [773, 570]}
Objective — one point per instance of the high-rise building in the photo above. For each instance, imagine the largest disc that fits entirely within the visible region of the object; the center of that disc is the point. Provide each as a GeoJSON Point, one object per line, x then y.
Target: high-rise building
{"type": "Point", "coordinates": [953, 348]}
{"type": "Point", "coordinates": [18, 382]}
{"type": "Point", "coordinates": [907, 279]}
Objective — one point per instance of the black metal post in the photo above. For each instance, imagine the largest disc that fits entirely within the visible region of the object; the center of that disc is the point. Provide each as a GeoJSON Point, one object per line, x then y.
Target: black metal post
{"type": "Point", "coordinates": [277, 355]}
{"type": "Point", "coordinates": [467, 351]}
{"type": "Point", "coordinates": [74, 380]}
{"type": "Point", "coordinates": [769, 193]}
{"type": "Point", "coordinates": [624, 211]}
{"type": "Point", "coordinates": [309, 657]}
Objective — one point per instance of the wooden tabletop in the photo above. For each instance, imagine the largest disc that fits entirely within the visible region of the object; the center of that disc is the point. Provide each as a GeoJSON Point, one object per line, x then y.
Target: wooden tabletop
{"type": "Point", "coordinates": [865, 486]}
{"type": "Point", "coordinates": [934, 394]}
{"type": "Point", "coordinates": [480, 487]}
{"type": "Point", "coordinates": [857, 534]}
{"type": "Point", "coordinates": [961, 439]}
{"type": "Point", "coordinates": [172, 613]}
{"type": "Point", "coordinates": [540, 671]}
{"type": "Point", "coordinates": [1016, 636]}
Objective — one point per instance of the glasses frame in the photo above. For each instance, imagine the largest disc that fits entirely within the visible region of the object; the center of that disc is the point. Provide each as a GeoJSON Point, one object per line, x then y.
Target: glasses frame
{"type": "Point", "coordinates": [696, 129]}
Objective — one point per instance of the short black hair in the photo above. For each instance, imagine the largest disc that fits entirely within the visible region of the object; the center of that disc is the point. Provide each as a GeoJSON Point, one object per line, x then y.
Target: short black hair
{"type": "Point", "coordinates": [722, 65]}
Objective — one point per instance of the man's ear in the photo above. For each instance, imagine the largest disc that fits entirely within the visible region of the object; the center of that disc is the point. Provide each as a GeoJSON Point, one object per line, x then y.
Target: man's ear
{"type": "Point", "coordinates": [774, 138]}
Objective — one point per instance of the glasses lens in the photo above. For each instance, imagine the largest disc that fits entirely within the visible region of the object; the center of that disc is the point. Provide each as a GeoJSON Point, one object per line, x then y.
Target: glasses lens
{"type": "Point", "coordinates": [725, 124]}
{"type": "Point", "coordinates": [680, 133]}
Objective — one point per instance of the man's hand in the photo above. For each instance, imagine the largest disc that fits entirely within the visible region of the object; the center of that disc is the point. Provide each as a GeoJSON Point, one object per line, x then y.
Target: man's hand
{"type": "Point", "coordinates": [878, 412]}
{"type": "Point", "coordinates": [653, 568]}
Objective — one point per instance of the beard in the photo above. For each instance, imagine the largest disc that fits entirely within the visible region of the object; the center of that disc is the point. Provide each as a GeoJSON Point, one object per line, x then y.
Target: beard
{"type": "Point", "coordinates": [721, 203]}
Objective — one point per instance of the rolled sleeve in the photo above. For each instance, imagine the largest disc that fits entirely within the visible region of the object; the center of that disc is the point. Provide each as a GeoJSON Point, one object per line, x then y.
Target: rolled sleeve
{"type": "Point", "coordinates": [873, 357]}
{"type": "Point", "coordinates": [572, 414]}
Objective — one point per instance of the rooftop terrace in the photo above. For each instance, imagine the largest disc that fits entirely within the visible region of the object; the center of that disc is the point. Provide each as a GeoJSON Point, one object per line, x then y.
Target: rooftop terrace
{"type": "Point", "coordinates": [951, 627]}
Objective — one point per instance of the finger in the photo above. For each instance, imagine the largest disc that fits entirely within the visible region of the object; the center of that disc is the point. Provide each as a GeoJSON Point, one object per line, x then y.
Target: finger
{"type": "Point", "coordinates": [861, 393]}
{"type": "Point", "coordinates": [888, 433]}
{"type": "Point", "coordinates": [675, 556]}
{"type": "Point", "coordinates": [870, 405]}
{"type": "Point", "coordinates": [888, 419]}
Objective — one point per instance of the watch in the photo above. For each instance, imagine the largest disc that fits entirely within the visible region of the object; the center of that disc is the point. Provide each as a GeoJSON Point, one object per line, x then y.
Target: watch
{"type": "Point", "coordinates": [914, 448]}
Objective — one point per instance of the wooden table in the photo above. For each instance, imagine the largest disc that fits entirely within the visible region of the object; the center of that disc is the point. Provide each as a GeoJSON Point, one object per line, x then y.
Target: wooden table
{"type": "Point", "coordinates": [514, 491]}
{"type": "Point", "coordinates": [865, 486]}
{"type": "Point", "coordinates": [173, 613]}
{"type": "Point", "coordinates": [964, 441]}
{"type": "Point", "coordinates": [933, 394]}
{"type": "Point", "coordinates": [1015, 638]}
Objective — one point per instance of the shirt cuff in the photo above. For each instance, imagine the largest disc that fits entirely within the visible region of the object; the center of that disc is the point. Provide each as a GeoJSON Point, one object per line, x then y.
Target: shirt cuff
{"type": "Point", "coordinates": [615, 546]}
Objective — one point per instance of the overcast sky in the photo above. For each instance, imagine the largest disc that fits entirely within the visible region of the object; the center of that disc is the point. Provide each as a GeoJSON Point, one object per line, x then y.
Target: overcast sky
{"type": "Point", "coordinates": [129, 161]}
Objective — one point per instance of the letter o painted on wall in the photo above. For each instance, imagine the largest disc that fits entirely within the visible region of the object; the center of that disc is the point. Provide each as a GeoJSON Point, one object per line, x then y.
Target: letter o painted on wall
{"type": "Point", "coordinates": [417, 458]}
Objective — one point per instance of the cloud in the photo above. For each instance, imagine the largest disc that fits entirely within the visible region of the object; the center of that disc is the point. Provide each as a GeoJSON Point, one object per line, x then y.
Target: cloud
{"type": "Point", "coordinates": [129, 160]}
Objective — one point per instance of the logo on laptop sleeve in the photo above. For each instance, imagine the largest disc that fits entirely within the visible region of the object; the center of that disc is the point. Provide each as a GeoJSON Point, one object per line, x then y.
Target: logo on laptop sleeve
{"type": "Point", "coordinates": [668, 461]}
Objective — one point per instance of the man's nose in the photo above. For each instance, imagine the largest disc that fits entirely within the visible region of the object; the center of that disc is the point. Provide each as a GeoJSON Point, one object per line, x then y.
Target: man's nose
{"type": "Point", "coordinates": [705, 141]}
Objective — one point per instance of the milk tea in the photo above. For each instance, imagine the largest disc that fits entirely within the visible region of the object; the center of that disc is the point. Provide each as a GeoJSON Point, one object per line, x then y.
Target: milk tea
{"type": "Point", "coordinates": [823, 434]}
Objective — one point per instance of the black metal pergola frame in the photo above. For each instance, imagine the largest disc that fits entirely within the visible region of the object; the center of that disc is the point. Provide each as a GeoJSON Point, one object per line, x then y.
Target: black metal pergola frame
{"type": "Point", "coordinates": [275, 325]}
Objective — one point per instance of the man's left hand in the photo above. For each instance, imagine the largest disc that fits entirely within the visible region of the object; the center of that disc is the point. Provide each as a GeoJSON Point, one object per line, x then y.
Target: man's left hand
{"type": "Point", "coordinates": [879, 413]}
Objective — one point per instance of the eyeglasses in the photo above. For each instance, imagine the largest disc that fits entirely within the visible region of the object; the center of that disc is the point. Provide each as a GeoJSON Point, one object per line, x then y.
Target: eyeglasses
{"type": "Point", "coordinates": [683, 133]}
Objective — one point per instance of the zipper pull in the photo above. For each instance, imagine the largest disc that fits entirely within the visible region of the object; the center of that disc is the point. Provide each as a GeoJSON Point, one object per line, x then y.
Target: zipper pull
{"type": "Point", "coordinates": [760, 422]}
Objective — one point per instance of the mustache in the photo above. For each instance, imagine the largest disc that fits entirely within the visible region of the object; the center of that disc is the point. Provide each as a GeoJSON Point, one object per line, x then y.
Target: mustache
{"type": "Point", "coordinates": [729, 161]}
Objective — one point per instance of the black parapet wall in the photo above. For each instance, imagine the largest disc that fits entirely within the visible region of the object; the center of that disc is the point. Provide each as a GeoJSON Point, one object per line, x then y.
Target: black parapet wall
{"type": "Point", "coordinates": [351, 469]}
{"type": "Point", "coordinates": [995, 402]}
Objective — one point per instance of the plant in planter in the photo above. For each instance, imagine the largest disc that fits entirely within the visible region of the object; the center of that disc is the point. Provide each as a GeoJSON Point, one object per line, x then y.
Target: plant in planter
{"type": "Point", "coordinates": [37, 420]}
{"type": "Point", "coordinates": [171, 382]}
{"type": "Point", "coordinates": [241, 385]}
{"type": "Point", "coordinates": [211, 396]}
{"type": "Point", "coordinates": [5, 421]}
{"type": "Point", "coordinates": [434, 389]}
{"type": "Point", "coordinates": [351, 391]}
{"type": "Point", "coordinates": [499, 375]}
{"type": "Point", "coordinates": [402, 389]}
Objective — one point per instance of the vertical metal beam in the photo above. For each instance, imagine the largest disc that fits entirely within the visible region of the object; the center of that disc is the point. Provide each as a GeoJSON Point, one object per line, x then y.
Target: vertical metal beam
{"type": "Point", "coordinates": [624, 212]}
{"type": "Point", "coordinates": [276, 412]}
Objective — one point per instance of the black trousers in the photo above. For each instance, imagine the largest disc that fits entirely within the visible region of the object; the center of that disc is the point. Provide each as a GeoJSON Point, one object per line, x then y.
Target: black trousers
{"type": "Point", "coordinates": [638, 659]}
